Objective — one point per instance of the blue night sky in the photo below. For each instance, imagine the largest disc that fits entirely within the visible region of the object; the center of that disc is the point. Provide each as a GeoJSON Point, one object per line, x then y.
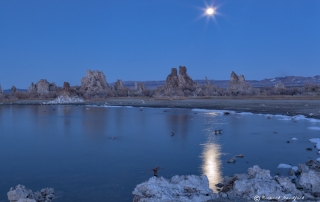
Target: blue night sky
{"type": "Point", "coordinates": [143, 39]}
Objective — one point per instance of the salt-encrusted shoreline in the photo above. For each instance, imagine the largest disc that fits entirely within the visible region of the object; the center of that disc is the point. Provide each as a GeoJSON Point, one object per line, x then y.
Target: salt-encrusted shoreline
{"type": "Point", "coordinates": [303, 184]}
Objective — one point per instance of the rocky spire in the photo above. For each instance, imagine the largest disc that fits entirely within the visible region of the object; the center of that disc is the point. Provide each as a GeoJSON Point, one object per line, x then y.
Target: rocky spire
{"type": "Point", "coordinates": [42, 87]}
{"type": "Point", "coordinates": [66, 88]}
{"type": "Point", "coordinates": [207, 81]}
{"type": "Point", "coordinates": [13, 89]}
{"type": "Point", "coordinates": [238, 83]}
{"type": "Point", "coordinates": [1, 90]}
{"type": "Point", "coordinates": [118, 85]}
{"type": "Point", "coordinates": [95, 81]}
{"type": "Point", "coordinates": [172, 80]}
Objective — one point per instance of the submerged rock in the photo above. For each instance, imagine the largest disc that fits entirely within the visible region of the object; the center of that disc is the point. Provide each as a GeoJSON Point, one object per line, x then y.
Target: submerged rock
{"type": "Point", "coordinates": [188, 188]}
{"type": "Point", "coordinates": [22, 194]}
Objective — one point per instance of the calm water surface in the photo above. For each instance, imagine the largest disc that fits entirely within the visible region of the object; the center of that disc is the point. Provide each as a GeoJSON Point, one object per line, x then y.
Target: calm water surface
{"type": "Point", "coordinates": [71, 149]}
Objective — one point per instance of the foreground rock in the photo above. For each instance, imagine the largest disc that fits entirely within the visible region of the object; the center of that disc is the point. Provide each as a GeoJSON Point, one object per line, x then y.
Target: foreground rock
{"type": "Point", "coordinates": [22, 194]}
{"type": "Point", "coordinates": [188, 188]}
{"type": "Point", "coordinates": [304, 184]}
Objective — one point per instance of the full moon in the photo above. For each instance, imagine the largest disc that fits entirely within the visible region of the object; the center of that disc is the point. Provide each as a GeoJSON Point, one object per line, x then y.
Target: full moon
{"type": "Point", "coordinates": [210, 11]}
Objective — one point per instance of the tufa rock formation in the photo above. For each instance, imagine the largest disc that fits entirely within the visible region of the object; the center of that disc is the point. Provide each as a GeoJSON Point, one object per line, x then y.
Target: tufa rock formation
{"type": "Point", "coordinates": [279, 85]}
{"type": "Point", "coordinates": [13, 89]}
{"type": "Point", "coordinates": [179, 85]}
{"type": "Point", "coordinates": [189, 188]}
{"type": "Point", "coordinates": [1, 90]}
{"type": "Point", "coordinates": [119, 89]}
{"type": "Point", "coordinates": [185, 82]}
{"type": "Point", "coordinates": [118, 85]}
{"type": "Point", "coordinates": [21, 194]}
{"type": "Point", "coordinates": [139, 88]}
{"type": "Point", "coordinates": [42, 87]}
{"type": "Point", "coordinates": [172, 80]}
{"type": "Point", "coordinates": [66, 89]}
{"type": "Point", "coordinates": [95, 81]}
{"type": "Point", "coordinates": [238, 84]}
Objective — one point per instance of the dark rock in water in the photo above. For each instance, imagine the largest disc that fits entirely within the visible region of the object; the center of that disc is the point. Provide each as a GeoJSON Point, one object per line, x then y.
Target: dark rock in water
{"type": "Point", "coordinates": [22, 194]}
{"type": "Point", "coordinates": [226, 113]}
{"type": "Point", "coordinates": [219, 185]}
{"type": "Point", "coordinates": [309, 149]}
{"type": "Point", "coordinates": [239, 156]}
{"type": "Point", "coordinates": [232, 160]}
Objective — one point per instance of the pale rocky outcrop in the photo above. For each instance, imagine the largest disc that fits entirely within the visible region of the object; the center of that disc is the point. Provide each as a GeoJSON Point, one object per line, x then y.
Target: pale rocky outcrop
{"type": "Point", "coordinates": [179, 84]}
{"type": "Point", "coordinates": [42, 87]}
{"type": "Point", "coordinates": [189, 188]}
{"type": "Point", "coordinates": [22, 194]}
{"type": "Point", "coordinates": [279, 85]}
{"type": "Point", "coordinates": [303, 184]}
{"type": "Point", "coordinates": [185, 81]}
{"type": "Point", "coordinates": [118, 85]}
{"type": "Point", "coordinates": [1, 90]}
{"type": "Point", "coordinates": [238, 83]}
{"type": "Point", "coordinates": [95, 81]}
{"type": "Point", "coordinates": [139, 88]}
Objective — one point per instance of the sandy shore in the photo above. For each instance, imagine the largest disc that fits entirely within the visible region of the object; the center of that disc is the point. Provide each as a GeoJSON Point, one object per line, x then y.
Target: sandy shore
{"type": "Point", "coordinates": [309, 107]}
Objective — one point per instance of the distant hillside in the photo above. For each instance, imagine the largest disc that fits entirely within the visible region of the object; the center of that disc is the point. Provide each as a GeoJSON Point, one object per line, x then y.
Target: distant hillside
{"type": "Point", "coordinates": [288, 81]}
{"type": "Point", "coordinates": [18, 89]}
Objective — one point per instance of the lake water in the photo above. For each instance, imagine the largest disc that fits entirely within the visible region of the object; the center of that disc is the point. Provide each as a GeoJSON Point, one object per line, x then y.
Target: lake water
{"type": "Point", "coordinates": [72, 149]}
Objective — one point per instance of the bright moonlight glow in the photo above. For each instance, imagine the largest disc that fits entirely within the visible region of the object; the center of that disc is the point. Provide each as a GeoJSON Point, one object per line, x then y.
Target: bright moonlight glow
{"type": "Point", "coordinates": [210, 11]}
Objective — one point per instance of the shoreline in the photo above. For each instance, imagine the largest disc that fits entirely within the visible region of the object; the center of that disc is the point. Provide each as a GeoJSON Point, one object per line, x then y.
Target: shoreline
{"type": "Point", "coordinates": [310, 108]}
